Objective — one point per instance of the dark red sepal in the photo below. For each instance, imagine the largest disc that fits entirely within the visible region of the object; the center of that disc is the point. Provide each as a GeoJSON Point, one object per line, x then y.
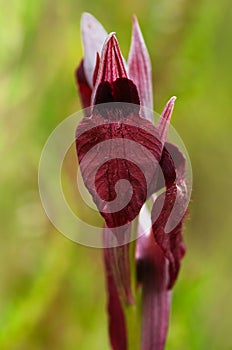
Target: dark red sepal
{"type": "Point", "coordinates": [108, 137]}
{"type": "Point", "coordinates": [173, 204]}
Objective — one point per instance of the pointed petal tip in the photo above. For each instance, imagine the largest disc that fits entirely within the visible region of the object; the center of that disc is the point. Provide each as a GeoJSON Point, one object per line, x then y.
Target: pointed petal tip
{"type": "Point", "coordinates": [170, 105]}
{"type": "Point", "coordinates": [136, 27]}
{"type": "Point", "coordinates": [136, 30]}
{"type": "Point", "coordinates": [111, 37]}
{"type": "Point", "coordinates": [172, 100]}
{"type": "Point", "coordinates": [168, 109]}
{"type": "Point", "coordinates": [91, 25]}
{"type": "Point", "coordinates": [87, 17]}
{"type": "Point", "coordinates": [165, 119]}
{"type": "Point", "coordinates": [134, 19]}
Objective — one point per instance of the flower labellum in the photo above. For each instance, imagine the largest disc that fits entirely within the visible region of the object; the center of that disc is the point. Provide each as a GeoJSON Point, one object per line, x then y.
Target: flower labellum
{"type": "Point", "coordinates": [124, 160]}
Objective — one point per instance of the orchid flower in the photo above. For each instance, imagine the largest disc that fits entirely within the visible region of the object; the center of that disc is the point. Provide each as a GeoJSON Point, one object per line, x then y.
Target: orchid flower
{"type": "Point", "coordinates": [103, 77]}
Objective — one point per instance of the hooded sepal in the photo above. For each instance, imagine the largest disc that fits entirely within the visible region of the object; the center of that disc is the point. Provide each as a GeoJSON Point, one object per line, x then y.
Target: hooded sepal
{"type": "Point", "coordinates": [113, 134]}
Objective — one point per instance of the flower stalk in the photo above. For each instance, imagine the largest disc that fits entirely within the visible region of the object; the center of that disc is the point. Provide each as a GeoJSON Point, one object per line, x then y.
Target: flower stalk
{"type": "Point", "coordinates": [132, 311]}
{"type": "Point", "coordinates": [125, 160]}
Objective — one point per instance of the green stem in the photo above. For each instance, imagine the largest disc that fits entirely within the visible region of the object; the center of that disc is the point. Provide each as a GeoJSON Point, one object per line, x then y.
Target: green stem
{"type": "Point", "coordinates": [133, 327]}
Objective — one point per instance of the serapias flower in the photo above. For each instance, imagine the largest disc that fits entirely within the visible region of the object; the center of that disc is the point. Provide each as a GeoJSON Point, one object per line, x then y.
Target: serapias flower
{"type": "Point", "coordinates": [110, 133]}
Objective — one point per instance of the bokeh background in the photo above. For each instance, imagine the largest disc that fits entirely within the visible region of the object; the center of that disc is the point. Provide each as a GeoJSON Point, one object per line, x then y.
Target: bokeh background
{"type": "Point", "coordinates": [52, 292]}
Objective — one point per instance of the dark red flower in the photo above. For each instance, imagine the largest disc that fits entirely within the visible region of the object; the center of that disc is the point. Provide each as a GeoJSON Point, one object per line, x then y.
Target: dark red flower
{"type": "Point", "coordinates": [123, 155]}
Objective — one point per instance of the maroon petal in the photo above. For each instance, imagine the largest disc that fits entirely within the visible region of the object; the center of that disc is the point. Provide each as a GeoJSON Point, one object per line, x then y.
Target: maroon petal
{"type": "Point", "coordinates": [121, 90]}
{"type": "Point", "coordinates": [95, 73]}
{"type": "Point", "coordinates": [85, 91]}
{"type": "Point", "coordinates": [110, 140]}
{"type": "Point", "coordinates": [111, 64]}
{"type": "Point", "coordinates": [116, 124]}
{"type": "Point", "coordinates": [116, 318]}
{"type": "Point", "coordinates": [139, 68]}
{"type": "Point", "coordinates": [173, 204]}
{"type": "Point", "coordinates": [110, 123]}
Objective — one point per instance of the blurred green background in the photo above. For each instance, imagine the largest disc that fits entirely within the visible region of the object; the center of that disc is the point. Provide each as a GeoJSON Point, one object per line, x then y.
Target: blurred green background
{"type": "Point", "coordinates": [52, 292]}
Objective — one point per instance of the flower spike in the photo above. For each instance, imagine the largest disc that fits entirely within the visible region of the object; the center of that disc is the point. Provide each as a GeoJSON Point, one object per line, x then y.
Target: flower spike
{"type": "Point", "coordinates": [124, 160]}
